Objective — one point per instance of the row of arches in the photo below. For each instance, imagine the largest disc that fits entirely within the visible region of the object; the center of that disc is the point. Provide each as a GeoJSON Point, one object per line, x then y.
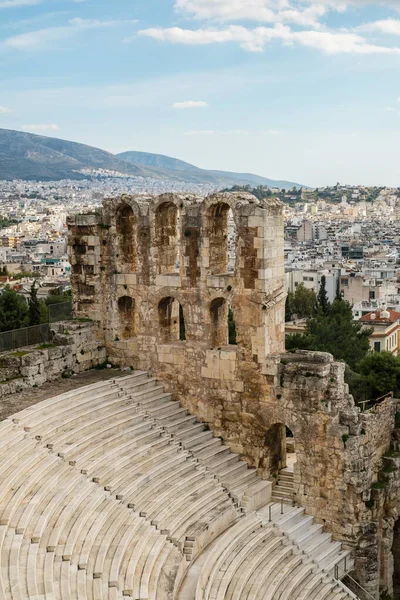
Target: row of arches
{"type": "Point", "coordinates": [171, 321]}
{"type": "Point", "coordinates": [167, 238]}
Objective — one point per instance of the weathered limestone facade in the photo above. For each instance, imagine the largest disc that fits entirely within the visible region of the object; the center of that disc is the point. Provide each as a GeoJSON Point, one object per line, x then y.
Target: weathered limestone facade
{"type": "Point", "coordinates": [76, 347]}
{"type": "Point", "coordinates": [153, 272]}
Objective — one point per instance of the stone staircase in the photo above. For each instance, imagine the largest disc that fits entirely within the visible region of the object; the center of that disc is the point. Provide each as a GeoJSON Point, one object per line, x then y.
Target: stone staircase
{"type": "Point", "coordinates": [309, 537]}
{"type": "Point", "coordinates": [283, 489]}
{"type": "Point", "coordinates": [255, 560]}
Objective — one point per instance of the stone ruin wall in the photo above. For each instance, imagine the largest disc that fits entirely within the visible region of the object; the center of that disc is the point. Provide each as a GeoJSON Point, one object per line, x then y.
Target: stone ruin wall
{"type": "Point", "coordinates": [140, 258]}
{"type": "Point", "coordinates": [75, 347]}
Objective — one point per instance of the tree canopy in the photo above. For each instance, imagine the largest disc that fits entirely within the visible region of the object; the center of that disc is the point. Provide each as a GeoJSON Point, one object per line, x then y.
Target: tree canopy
{"type": "Point", "coordinates": [370, 375]}
{"type": "Point", "coordinates": [13, 310]}
{"type": "Point", "coordinates": [302, 304]}
{"type": "Point", "coordinates": [334, 332]}
{"type": "Point", "coordinates": [381, 373]}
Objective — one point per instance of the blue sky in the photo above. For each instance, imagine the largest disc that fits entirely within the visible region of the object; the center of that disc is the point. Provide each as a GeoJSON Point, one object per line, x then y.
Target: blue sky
{"type": "Point", "coordinates": [297, 89]}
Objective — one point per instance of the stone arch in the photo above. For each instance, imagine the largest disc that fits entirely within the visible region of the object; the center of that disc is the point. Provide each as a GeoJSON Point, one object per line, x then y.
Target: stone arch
{"type": "Point", "coordinates": [218, 235]}
{"type": "Point", "coordinates": [127, 317]}
{"type": "Point", "coordinates": [171, 320]}
{"type": "Point", "coordinates": [280, 446]}
{"type": "Point", "coordinates": [126, 226]}
{"type": "Point", "coordinates": [232, 241]}
{"type": "Point", "coordinates": [223, 327]}
{"type": "Point", "coordinates": [166, 238]}
{"type": "Point", "coordinates": [219, 322]}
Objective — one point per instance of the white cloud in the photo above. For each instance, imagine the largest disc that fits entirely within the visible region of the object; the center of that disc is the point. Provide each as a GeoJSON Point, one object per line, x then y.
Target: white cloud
{"type": "Point", "coordinates": [228, 10]}
{"type": "Point", "coordinates": [252, 40]}
{"type": "Point", "coordinates": [43, 38]}
{"type": "Point", "coordinates": [41, 127]}
{"type": "Point", "coordinates": [263, 11]}
{"type": "Point", "coordinates": [4, 110]}
{"type": "Point", "coordinates": [16, 3]}
{"type": "Point", "coordinates": [340, 43]}
{"type": "Point", "coordinates": [387, 26]}
{"type": "Point", "coordinates": [272, 132]}
{"type": "Point", "coordinates": [190, 104]}
{"type": "Point", "coordinates": [388, 109]}
{"type": "Point", "coordinates": [255, 40]}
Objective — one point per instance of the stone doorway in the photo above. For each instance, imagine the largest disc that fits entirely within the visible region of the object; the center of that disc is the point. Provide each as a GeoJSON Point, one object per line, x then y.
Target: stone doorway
{"type": "Point", "coordinates": [280, 444]}
{"type": "Point", "coordinates": [291, 458]}
{"type": "Point", "coordinates": [396, 560]}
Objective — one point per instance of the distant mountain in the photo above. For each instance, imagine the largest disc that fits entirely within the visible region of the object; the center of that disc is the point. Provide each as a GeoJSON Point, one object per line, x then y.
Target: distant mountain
{"type": "Point", "coordinates": [39, 158]}
{"type": "Point", "coordinates": [183, 171]}
{"type": "Point", "coordinates": [36, 157]}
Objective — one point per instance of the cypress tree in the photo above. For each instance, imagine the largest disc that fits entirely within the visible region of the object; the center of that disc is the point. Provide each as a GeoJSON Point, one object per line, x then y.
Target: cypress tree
{"type": "Point", "coordinates": [323, 302]}
{"type": "Point", "coordinates": [34, 306]}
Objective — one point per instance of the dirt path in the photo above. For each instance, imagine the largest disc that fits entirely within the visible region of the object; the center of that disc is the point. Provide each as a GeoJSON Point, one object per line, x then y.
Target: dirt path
{"type": "Point", "coordinates": [16, 402]}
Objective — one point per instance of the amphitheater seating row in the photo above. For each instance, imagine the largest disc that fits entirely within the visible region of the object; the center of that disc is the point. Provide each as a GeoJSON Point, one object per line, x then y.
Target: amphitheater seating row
{"type": "Point", "coordinates": [113, 491]}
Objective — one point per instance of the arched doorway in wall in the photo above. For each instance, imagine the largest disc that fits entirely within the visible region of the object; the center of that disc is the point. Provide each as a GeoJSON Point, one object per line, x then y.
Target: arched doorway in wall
{"type": "Point", "coordinates": [127, 317]}
{"type": "Point", "coordinates": [222, 239]}
{"type": "Point", "coordinates": [126, 225]}
{"type": "Point", "coordinates": [396, 560]}
{"type": "Point", "coordinates": [171, 321]}
{"type": "Point", "coordinates": [223, 327]}
{"type": "Point", "coordinates": [280, 443]}
{"type": "Point", "coordinates": [167, 238]}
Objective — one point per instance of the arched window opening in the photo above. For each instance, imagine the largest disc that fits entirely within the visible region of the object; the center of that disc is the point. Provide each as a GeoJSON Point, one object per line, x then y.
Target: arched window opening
{"type": "Point", "coordinates": [219, 239]}
{"type": "Point", "coordinates": [223, 328]}
{"type": "Point", "coordinates": [127, 317]}
{"type": "Point", "coordinates": [167, 238]}
{"type": "Point", "coordinates": [396, 559]}
{"type": "Point", "coordinates": [231, 328]}
{"type": "Point", "coordinates": [281, 449]}
{"type": "Point", "coordinates": [126, 223]}
{"type": "Point", "coordinates": [219, 322]}
{"type": "Point", "coordinates": [231, 242]}
{"type": "Point", "coordinates": [172, 321]}
{"type": "Point", "coordinates": [182, 326]}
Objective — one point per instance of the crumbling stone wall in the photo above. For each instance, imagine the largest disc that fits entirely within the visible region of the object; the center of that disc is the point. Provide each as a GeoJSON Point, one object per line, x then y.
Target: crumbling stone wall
{"type": "Point", "coordinates": [76, 347]}
{"type": "Point", "coordinates": [249, 390]}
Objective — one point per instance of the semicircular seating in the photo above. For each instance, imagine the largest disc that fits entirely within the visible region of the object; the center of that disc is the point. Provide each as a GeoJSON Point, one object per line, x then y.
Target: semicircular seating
{"type": "Point", "coordinates": [113, 490]}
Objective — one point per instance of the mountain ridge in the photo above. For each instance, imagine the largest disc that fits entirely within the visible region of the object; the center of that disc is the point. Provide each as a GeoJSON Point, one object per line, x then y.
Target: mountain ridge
{"type": "Point", "coordinates": [34, 157]}
{"type": "Point", "coordinates": [161, 162]}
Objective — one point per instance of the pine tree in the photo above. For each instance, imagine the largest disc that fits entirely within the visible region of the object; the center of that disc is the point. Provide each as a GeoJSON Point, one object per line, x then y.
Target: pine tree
{"type": "Point", "coordinates": [34, 306]}
{"type": "Point", "coordinates": [323, 302]}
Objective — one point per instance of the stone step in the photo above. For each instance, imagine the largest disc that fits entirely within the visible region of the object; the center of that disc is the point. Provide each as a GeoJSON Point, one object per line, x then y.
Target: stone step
{"type": "Point", "coordinates": [284, 487]}
{"type": "Point", "coordinates": [278, 493]}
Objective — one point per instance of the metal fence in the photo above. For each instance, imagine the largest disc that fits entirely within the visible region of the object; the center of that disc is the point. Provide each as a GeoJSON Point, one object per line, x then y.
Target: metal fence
{"type": "Point", "coordinates": [38, 334]}
{"type": "Point", "coordinates": [62, 311]}
{"type": "Point", "coordinates": [27, 336]}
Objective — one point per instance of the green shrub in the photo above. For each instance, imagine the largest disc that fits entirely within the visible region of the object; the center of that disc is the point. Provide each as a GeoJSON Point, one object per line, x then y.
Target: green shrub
{"type": "Point", "coordinates": [379, 485]}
